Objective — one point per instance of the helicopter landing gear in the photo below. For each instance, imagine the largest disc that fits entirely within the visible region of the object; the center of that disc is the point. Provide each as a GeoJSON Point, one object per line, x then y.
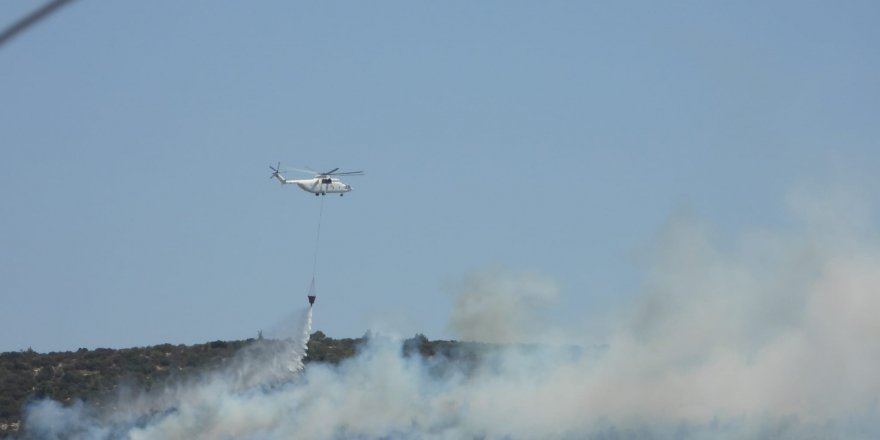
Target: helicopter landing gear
{"type": "Point", "coordinates": [340, 194]}
{"type": "Point", "coordinates": [316, 194]}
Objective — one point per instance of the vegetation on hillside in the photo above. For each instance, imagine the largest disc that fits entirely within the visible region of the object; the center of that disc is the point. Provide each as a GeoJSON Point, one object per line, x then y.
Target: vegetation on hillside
{"type": "Point", "coordinates": [103, 376]}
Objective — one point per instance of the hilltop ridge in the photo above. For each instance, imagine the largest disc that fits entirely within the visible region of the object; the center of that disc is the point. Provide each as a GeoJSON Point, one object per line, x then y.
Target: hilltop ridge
{"type": "Point", "coordinates": [101, 375]}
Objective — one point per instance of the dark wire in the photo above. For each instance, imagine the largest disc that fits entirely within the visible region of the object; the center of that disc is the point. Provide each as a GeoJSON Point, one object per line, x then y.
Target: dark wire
{"type": "Point", "coordinates": [28, 20]}
{"type": "Point", "coordinates": [317, 243]}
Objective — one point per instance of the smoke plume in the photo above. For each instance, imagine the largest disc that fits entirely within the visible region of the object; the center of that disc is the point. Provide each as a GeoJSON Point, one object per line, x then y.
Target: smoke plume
{"type": "Point", "coordinates": [772, 334]}
{"type": "Point", "coordinates": [501, 306]}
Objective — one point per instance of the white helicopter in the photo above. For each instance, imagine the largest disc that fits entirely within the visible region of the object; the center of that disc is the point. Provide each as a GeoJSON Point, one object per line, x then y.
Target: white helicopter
{"type": "Point", "coordinates": [320, 185]}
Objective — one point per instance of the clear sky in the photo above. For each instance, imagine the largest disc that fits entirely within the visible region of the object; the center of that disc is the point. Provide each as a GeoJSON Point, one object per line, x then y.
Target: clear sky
{"type": "Point", "coordinates": [553, 138]}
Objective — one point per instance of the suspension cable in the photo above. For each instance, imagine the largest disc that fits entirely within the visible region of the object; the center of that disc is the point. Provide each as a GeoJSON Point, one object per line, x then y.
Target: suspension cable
{"type": "Point", "coordinates": [317, 246]}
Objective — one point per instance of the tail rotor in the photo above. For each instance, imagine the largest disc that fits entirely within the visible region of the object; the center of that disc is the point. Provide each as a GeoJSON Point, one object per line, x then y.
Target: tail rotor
{"type": "Point", "coordinates": [276, 171]}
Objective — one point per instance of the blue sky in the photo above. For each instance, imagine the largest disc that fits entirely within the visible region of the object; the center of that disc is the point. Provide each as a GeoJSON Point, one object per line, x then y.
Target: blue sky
{"type": "Point", "coordinates": [547, 137]}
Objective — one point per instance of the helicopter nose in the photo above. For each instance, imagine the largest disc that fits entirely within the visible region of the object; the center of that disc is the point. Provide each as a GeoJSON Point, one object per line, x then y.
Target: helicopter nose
{"type": "Point", "coordinates": [348, 187]}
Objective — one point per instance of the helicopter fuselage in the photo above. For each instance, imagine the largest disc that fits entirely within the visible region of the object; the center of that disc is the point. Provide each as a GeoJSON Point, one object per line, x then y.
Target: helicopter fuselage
{"type": "Point", "coordinates": [322, 184]}
{"type": "Point", "coordinates": [319, 185]}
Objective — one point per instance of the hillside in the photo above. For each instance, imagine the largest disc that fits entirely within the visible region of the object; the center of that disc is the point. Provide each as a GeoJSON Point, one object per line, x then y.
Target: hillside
{"type": "Point", "coordinates": [103, 375]}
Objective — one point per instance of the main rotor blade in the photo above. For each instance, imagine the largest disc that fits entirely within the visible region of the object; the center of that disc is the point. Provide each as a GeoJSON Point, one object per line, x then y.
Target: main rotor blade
{"type": "Point", "coordinates": [350, 173]}
{"type": "Point", "coordinates": [29, 20]}
{"type": "Point", "coordinates": [330, 172]}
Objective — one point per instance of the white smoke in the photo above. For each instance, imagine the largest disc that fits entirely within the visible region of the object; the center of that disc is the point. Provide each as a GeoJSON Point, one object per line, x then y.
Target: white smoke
{"type": "Point", "coordinates": [501, 306]}
{"type": "Point", "coordinates": [771, 335]}
{"type": "Point", "coordinates": [216, 405]}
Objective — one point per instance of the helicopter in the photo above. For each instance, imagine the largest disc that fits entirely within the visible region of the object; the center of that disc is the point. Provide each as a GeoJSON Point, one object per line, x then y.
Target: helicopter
{"type": "Point", "coordinates": [321, 184]}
